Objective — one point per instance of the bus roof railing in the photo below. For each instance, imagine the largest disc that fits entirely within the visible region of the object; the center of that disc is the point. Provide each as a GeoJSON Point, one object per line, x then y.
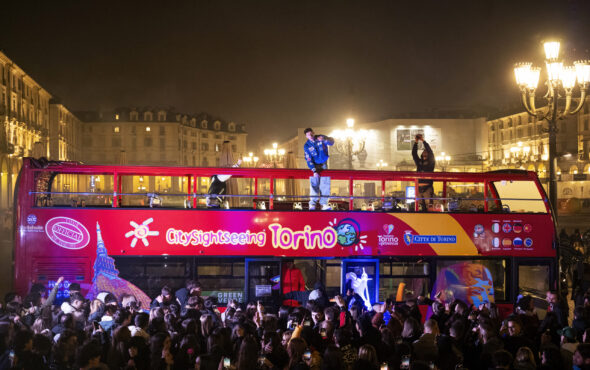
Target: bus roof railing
{"type": "Point", "coordinates": [286, 173]}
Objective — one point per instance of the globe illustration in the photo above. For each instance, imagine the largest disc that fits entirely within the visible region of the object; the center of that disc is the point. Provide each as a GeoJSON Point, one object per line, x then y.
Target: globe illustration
{"type": "Point", "coordinates": [347, 233]}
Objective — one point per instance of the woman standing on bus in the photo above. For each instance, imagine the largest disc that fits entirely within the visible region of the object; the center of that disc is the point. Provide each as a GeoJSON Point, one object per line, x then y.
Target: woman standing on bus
{"type": "Point", "coordinates": [424, 163]}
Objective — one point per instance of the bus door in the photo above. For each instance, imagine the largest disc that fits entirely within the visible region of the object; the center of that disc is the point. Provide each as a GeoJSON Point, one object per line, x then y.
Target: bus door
{"type": "Point", "coordinates": [362, 275]}
{"type": "Point", "coordinates": [263, 280]}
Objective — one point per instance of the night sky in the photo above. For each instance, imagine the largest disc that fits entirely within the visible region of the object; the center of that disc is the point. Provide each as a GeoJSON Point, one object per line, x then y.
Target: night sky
{"type": "Point", "coordinates": [278, 65]}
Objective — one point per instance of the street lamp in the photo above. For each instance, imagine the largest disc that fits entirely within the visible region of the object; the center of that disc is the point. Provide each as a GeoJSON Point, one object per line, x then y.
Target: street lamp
{"type": "Point", "coordinates": [350, 143]}
{"type": "Point", "coordinates": [443, 160]}
{"type": "Point", "coordinates": [559, 78]}
{"type": "Point", "coordinates": [250, 160]}
{"type": "Point", "coordinates": [274, 155]}
{"type": "Point", "coordinates": [520, 153]}
{"type": "Point", "coordinates": [381, 165]}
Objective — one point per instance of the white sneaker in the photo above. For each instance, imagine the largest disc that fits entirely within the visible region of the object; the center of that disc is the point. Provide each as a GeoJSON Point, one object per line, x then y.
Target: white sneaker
{"type": "Point", "coordinates": [326, 207]}
{"type": "Point", "coordinates": [312, 207]}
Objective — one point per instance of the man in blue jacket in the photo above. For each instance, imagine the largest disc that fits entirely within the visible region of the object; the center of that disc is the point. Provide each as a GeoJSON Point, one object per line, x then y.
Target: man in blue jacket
{"type": "Point", "coordinates": [316, 155]}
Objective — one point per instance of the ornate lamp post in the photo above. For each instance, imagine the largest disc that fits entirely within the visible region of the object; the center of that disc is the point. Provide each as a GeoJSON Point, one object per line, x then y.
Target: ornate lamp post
{"type": "Point", "coordinates": [350, 143]}
{"type": "Point", "coordinates": [444, 160]}
{"type": "Point", "coordinates": [520, 153]}
{"type": "Point", "coordinates": [250, 160]}
{"type": "Point", "coordinates": [274, 155]}
{"type": "Point", "coordinates": [559, 78]}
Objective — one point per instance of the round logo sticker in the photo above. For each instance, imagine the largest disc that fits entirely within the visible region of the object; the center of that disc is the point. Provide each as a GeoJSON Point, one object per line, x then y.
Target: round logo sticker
{"type": "Point", "coordinates": [528, 228]}
{"type": "Point", "coordinates": [496, 227]}
{"type": "Point", "coordinates": [528, 242]}
{"type": "Point", "coordinates": [67, 233]}
{"type": "Point", "coordinates": [517, 242]}
{"type": "Point", "coordinates": [478, 229]}
{"type": "Point", "coordinates": [517, 228]}
{"type": "Point", "coordinates": [31, 219]}
{"type": "Point", "coordinates": [506, 242]}
{"type": "Point", "coordinates": [496, 242]}
{"type": "Point", "coordinates": [506, 228]}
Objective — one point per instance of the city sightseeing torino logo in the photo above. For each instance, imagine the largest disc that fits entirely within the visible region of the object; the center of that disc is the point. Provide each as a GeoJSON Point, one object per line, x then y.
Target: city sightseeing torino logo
{"type": "Point", "coordinates": [141, 232]}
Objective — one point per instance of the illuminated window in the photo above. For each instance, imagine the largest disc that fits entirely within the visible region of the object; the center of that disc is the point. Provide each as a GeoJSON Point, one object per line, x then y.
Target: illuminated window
{"type": "Point", "coordinates": [116, 129]}
{"type": "Point", "coordinates": [148, 129]}
{"type": "Point", "coordinates": [116, 117]}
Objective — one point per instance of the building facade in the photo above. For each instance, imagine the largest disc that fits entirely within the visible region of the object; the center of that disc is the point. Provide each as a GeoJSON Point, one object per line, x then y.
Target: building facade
{"type": "Point", "coordinates": [157, 137]}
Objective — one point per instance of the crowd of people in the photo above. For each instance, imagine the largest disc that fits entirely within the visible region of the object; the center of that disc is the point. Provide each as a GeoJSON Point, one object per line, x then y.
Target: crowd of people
{"type": "Point", "coordinates": [185, 330]}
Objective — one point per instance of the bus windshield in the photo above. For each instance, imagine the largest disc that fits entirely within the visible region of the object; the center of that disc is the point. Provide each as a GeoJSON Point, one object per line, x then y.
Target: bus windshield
{"type": "Point", "coordinates": [520, 196]}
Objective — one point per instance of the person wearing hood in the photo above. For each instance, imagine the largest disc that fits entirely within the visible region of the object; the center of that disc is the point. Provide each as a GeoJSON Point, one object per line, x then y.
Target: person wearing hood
{"type": "Point", "coordinates": [319, 295]}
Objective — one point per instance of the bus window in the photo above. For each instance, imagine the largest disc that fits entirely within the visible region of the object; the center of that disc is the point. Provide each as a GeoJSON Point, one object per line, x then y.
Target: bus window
{"type": "Point", "coordinates": [367, 195]}
{"type": "Point", "coordinates": [414, 276]}
{"type": "Point", "coordinates": [168, 190]}
{"type": "Point", "coordinates": [222, 278]}
{"type": "Point", "coordinates": [465, 197]}
{"type": "Point", "coordinates": [520, 196]}
{"type": "Point", "coordinates": [533, 280]}
{"type": "Point", "coordinates": [151, 274]}
{"type": "Point", "coordinates": [75, 190]}
{"type": "Point", "coordinates": [472, 281]}
{"type": "Point", "coordinates": [333, 277]}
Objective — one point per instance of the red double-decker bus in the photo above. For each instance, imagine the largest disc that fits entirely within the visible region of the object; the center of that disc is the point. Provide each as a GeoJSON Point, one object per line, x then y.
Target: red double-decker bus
{"type": "Point", "coordinates": [482, 237]}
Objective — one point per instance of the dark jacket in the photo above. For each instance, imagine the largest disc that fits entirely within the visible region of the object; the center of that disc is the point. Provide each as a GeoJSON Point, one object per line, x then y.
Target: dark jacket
{"type": "Point", "coordinates": [424, 165]}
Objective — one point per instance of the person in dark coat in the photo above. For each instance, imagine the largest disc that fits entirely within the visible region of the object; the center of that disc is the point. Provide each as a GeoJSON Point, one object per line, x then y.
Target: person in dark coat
{"type": "Point", "coordinates": [424, 163]}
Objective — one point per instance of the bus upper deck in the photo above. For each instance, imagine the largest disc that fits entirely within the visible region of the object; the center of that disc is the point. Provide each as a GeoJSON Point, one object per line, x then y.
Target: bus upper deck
{"type": "Point", "coordinates": [511, 191]}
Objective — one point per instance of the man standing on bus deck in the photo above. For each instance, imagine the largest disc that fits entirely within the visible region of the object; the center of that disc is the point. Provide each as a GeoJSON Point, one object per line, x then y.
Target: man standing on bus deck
{"type": "Point", "coordinates": [424, 163]}
{"type": "Point", "coordinates": [316, 155]}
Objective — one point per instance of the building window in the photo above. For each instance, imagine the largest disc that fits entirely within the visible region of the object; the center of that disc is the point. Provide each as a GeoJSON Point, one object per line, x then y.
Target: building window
{"type": "Point", "coordinates": [116, 129]}
{"type": "Point", "coordinates": [133, 130]}
{"type": "Point", "coordinates": [147, 141]}
{"type": "Point", "coordinates": [134, 116]}
{"type": "Point", "coordinates": [194, 145]}
{"type": "Point", "coordinates": [217, 147]}
{"type": "Point", "coordinates": [116, 117]}
{"type": "Point", "coordinates": [234, 148]}
{"type": "Point", "coordinates": [232, 127]}
{"type": "Point", "coordinates": [161, 116]}
{"type": "Point", "coordinates": [148, 116]}
{"type": "Point", "coordinates": [162, 143]}
{"type": "Point", "coordinates": [204, 135]}
{"type": "Point", "coordinates": [162, 130]}
{"type": "Point", "coordinates": [148, 129]}
{"type": "Point", "coordinates": [205, 147]}
{"type": "Point", "coordinates": [204, 124]}
{"type": "Point", "coordinates": [217, 125]}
